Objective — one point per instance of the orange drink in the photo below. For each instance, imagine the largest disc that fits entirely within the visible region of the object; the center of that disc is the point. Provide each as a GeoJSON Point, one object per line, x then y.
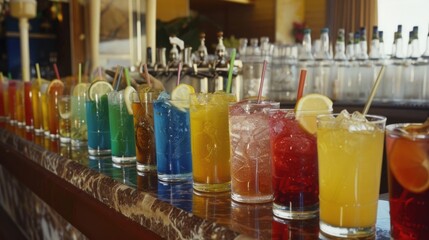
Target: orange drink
{"type": "Point", "coordinates": [28, 108]}
{"type": "Point", "coordinates": [36, 103]}
{"type": "Point", "coordinates": [210, 141]}
{"type": "Point", "coordinates": [54, 91]}
{"type": "Point", "coordinates": [350, 153]}
{"type": "Point", "coordinates": [19, 104]}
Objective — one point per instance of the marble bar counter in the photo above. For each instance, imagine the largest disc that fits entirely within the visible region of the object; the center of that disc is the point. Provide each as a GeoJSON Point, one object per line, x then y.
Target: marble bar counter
{"type": "Point", "coordinates": [52, 191]}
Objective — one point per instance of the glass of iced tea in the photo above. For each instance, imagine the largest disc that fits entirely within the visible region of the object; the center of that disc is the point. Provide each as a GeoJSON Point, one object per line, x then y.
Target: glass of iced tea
{"type": "Point", "coordinates": [407, 148]}
{"type": "Point", "coordinates": [249, 136]}
{"type": "Point", "coordinates": [144, 129]}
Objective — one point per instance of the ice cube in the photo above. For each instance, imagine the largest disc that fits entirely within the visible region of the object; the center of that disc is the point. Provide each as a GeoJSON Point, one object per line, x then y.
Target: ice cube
{"type": "Point", "coordinates": [357, 116]}
{"type": "Point", "coordinates": [164, 96]}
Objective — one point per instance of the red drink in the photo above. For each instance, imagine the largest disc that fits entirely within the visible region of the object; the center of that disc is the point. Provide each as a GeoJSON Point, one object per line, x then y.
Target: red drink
{"type": "Point", "coordinates": [295, 172]}
{"type": "Point", "coordinates": [408, 161]}
{"type": "Point", "coordinates": [12, 102]}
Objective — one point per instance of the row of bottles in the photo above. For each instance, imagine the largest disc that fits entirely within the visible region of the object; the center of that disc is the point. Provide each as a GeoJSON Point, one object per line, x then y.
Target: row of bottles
{"type": "Point", "coordinates": [349, 73]}
{"type": "Point", "coordinates": [346, 74]}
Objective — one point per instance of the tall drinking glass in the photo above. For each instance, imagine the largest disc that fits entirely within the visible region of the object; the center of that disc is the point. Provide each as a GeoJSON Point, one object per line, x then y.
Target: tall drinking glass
{"type": "Point", "coordinates": [144, 129]}
{"type": "Point", "coordinates": [121, 129]}
{"type": "Point", "coordinates": [350, 152]}
{"type": "Point", "coordinates": [28, 108]}
{"type": "Point", "coordinates": [64, 110]}
{"type": "Point", "coordinates": [36, 103]}
{"type": "Point", "coordinates": [44, 108]}
{"type": "Point", "coordinates": [407, 147]}
{"type": "Point", "coordinates": [79, 131]}
{"type": "Point", "coordinates": [97, 117]}
{"type": "Point", "coordinates": [172, 140]}
{"type": "Point", "coordinates": [210, 141]}
{"type": "Point", "coordinates": [249, 136]}
{"type": "Point", "coordinates": [295, 172]}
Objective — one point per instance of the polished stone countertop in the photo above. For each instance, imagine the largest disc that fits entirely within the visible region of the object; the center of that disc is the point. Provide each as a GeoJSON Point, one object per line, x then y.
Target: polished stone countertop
{"type": "Point", "coordinates": [172, 211]}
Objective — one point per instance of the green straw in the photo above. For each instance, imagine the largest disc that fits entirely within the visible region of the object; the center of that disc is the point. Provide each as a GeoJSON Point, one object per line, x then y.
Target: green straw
{"type": "Point", "coordinates": [127, 77]}
{"type": "Point", "coordinates": [231, 67]}
{"type": "Point", "coordinates": [79, 78]}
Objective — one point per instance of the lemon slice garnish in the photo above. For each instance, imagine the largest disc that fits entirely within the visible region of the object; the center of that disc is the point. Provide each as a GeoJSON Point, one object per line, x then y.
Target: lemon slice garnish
{"type": "Point", "coordinates": [99, 88]}
{"type": "Point", "coordinates": [307, 109]}
{"type": "Point", "coordinates": [128, 92]}
{"type": "Point", "coordinates": [80, 89]}
{"type": "Point", "coordinates": [180, 95]}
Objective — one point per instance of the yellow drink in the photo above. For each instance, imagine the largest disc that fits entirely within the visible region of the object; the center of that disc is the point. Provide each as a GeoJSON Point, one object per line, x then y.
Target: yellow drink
{"type": "Point", "coordinates": [36, 102]}
{"type": "Point", "coordinates": [19, 104]}
{"type": "Point", "coordinates": [350, 157]}
{"type": "Point", "coordinates": [210, 141]}
{"type": "Point", "coordinates": [44, 108]}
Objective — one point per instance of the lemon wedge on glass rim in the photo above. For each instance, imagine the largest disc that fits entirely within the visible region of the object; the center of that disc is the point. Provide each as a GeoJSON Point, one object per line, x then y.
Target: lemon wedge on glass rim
{"type": "Point", "coordinates": [308, 107]}
{"type": "Point", "coordinates": [180, 95]}
{"type": "Point", "coordinates": [128, 93]}
{"type": "Point", "coordinates": [99, 88]}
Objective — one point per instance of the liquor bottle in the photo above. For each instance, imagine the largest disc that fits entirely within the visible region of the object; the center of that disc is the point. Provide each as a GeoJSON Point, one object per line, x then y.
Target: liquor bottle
{"type": "Point", "coordinates": [375, 44]}
{"type": "Point", "coordinates": [243, 46]}
{"type": "Point", "coordinates": [381, 45]}
{"type": "Point", "coordinates": [324, 52]}
{"type": "Point", "coordinates": [356, 45]}
{"type": "Point", "coordinates": [305, 49]}
{"type": "Point", "coordinates": [399, 52]}
{"type": "Point", "coordinates": [220, 52]}
{"type": "Point", "coordinates": [363, 45]}
{"type": "Point", "coordinates": [409, 45]}
{"type": "Point", "coordinates": [350, 53]}
{"type": "Point", "coordinates": [253, 49]}
{"type": "Point", "coordinates": [415, 53]}
{"type": "Point", "coordinates": [426, 53]}
{"type": "Point", "coordinates": [340, 51]}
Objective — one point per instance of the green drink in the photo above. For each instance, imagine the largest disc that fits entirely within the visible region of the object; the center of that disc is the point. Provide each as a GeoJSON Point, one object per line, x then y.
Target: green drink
{"type": "Point", "coordinates": [121, 129]}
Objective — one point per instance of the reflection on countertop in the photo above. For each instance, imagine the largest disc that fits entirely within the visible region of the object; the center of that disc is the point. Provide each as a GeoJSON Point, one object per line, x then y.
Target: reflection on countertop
{"type": "Point", "coordinates": [171, 210]}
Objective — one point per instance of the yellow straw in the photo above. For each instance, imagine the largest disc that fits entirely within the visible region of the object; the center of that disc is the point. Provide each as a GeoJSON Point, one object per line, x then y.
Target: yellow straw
{"type": "Point", "coordinates": [79, 79]}
{"type": "Point", "coordinates": [1, 76]}
{"type": "Point", "coordinates": [373, 91]}
{"type": "Point", "coordinates": [39, 78]}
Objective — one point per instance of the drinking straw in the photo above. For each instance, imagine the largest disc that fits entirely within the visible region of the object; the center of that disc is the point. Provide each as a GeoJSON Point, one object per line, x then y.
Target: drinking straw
{"type": "Point", "coordinates": [302, 76]}
{"type": "Point", "coordinates": [115, 78]}
{"type": "Point", "coordinates": [179, 70]}
{"type": "Point", "coordinates": [9, 75]}
{"type": "Point", "coordinates": [57, 73]}
{"type": "Point", "coordinates": [261, 85]}
{"type": "Point", "coordinates": [146, 75]}
{"type": "Point", "coordinates": [118, 80]}
{"type": "Point", "coordinates": [373, 90]}
{"type": "Point", "coordinates": [127, 77]}
{"type": "Point", "coordinates": [79, 78]}
{"type": "Point", "coordinates": [231, 68]}
{"type": "Point", "coordinates": [39, 78]}
{"type": "Point", "coordinates": [1, 76]}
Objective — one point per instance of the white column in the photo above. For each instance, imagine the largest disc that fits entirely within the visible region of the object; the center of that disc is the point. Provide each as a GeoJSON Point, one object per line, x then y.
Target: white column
{"type": "Point", "coordinates": [151, 27]}
{"type": "Point", "coordinates": [94, 6]}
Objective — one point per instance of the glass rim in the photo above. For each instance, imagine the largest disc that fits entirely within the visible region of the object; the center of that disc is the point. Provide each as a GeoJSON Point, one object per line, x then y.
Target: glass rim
{"type": "Point", "coordinates": [375, 119]}
{"type": "Point", "coordinates": [390, 130]}
{"type": "Point", "coordinates": [327, 112]}
{"type": "Point", "coordinates": [254, 102]}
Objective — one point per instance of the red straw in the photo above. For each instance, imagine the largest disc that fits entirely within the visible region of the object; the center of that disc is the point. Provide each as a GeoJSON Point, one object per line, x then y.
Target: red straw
{"type": "Point", "coordinates": [261, 85]}
{"type": "Point", "coordinates": [179, 70]}
{"type": "Point", "coordinates": [302, 76]}
{"type": "Point", "coordinates": [57, 73]}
